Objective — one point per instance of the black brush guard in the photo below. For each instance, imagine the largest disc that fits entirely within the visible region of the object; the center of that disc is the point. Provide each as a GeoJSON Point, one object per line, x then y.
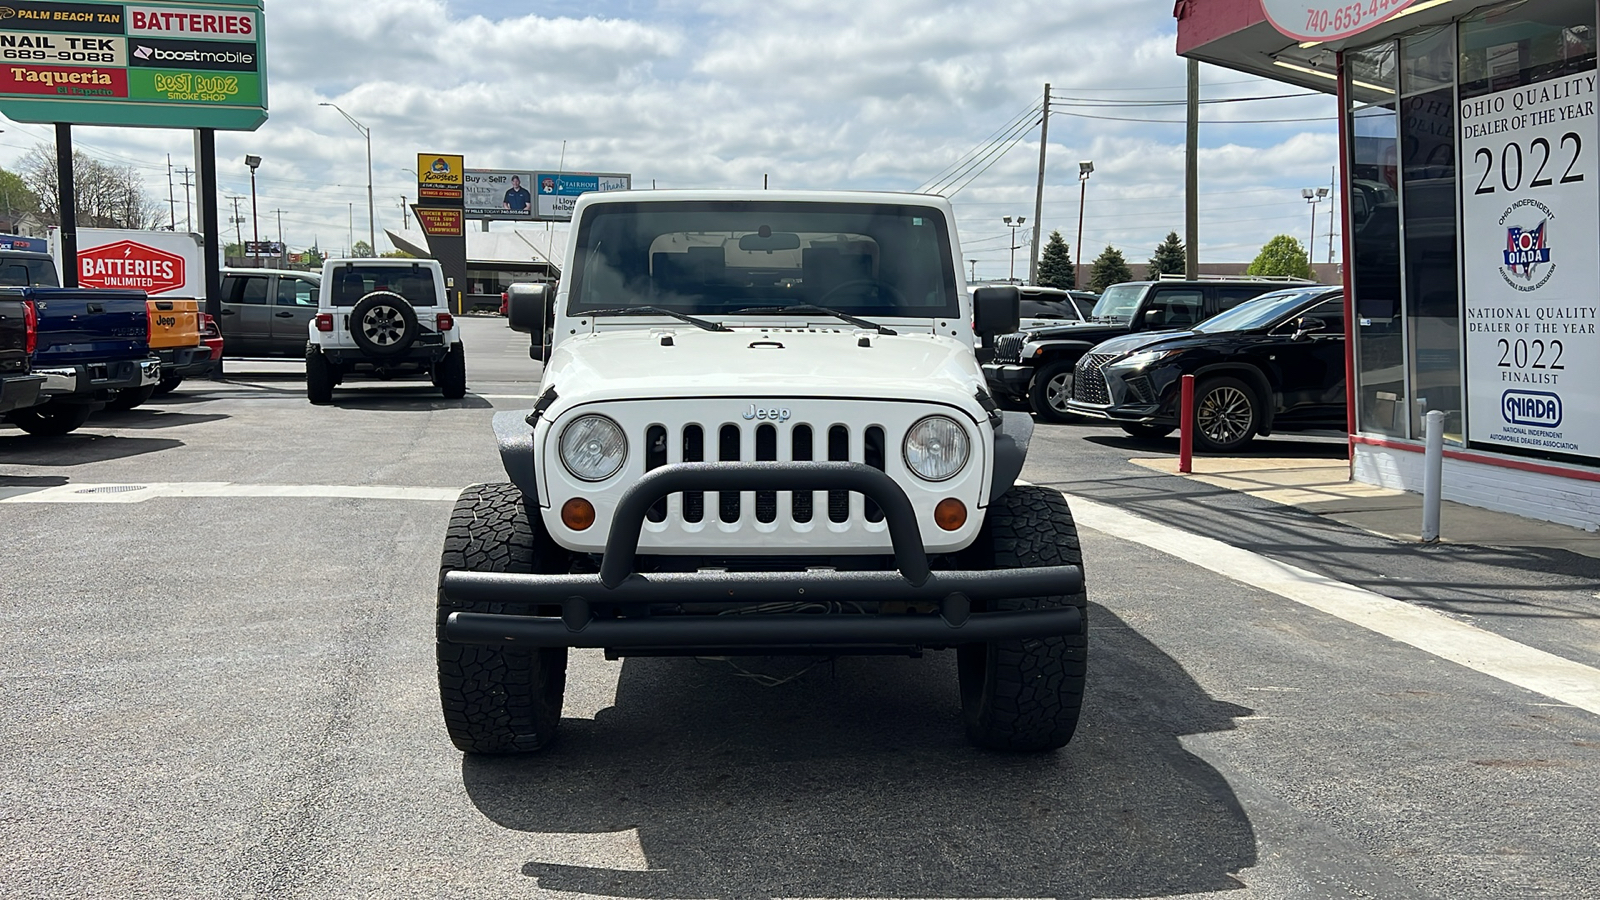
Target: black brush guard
{"type": "Point", "coordinates": [617, 586]}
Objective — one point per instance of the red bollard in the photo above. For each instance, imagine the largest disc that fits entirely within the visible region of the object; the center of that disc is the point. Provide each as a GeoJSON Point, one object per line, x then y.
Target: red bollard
{"type": "Point", "coordinates": [1186, 426]}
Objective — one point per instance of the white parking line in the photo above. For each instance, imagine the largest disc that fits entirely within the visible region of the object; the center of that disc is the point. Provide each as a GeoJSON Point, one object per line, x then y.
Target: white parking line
{"type": "Point", "coordinates": [138, 493]}
{"type": "Point", "coordinates": [1560, 679]}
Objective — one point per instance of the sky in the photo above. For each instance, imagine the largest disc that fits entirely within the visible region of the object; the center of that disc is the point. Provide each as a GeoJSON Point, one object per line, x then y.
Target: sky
{"type": "Point", "coordinates": [810, 94]}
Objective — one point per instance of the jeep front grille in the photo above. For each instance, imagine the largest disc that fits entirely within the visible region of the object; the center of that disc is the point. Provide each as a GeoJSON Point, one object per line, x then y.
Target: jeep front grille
{"type": "Point", "coordinates": [1008, 348]}
{"type": "Point", "coordinates": [1088, 384]}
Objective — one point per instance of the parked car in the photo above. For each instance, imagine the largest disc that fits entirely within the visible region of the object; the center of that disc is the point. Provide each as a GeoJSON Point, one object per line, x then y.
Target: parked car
{"type": "Point", "coordinates": [1037, 366]}
{"type": "Point", "coordinates": [267, 312]}
{"type": "Point", "coordinates": [1275, 363]}
{"type": "Point", "coordinates": [388, 318]}
{"type": "Point", "coordinates": [92, 346]}
{"type": "Point", "coordinates": [1044, 307]}
{"type": "Point", "coordinates": [19, 332]}
{"type": "Point", "coordinates": [176, 338]}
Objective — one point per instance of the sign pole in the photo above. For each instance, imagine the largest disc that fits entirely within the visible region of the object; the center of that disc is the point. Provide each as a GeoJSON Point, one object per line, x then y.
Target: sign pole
{"type": "Point", "coordinates": [66, 202]}
{"type": "Point", "coordinates": [205, 160]}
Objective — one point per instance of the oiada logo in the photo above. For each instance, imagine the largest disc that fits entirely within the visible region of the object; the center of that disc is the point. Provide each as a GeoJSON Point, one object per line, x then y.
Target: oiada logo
{"type": "Point", "coordinates": [1540, 409]}
{"type": "Point", "coordinates": [1525, 264]}
{"type": "Point", "coordinates": [130, 265]}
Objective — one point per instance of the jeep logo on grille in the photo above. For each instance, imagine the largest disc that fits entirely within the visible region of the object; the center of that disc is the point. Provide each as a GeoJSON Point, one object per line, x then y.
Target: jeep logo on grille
{"type": "Point", "coordinates": [775, 414]}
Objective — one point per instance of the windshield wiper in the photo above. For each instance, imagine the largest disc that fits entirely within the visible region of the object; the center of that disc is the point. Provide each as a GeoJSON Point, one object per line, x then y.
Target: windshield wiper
{"type": "Point", "coordinates": [657, 311]}
{"type": "Point", "coordinates": [822, 310]}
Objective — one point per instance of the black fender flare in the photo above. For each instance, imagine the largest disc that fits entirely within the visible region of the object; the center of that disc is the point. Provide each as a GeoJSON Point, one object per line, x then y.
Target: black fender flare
{"type": "Point", "coordinates": [1062, 351]}
{"type": "Point", "coordinates": [1010, 451]}
{"type": "Point", "coordinates": [515, 437]}
{"type": "Point", "coordinates": [1263, 388]}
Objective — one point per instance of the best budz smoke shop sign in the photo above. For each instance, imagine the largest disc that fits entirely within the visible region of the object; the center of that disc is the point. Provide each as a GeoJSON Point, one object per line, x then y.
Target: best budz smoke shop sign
{"type": "Point", "coordinates": [163, 65]}
{"type": "Point", "coordinates": [1530, 230]}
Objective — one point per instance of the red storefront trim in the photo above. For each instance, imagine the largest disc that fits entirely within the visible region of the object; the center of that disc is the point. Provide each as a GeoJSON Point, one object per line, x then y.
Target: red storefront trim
{"type": "Point", "coordinates": [1482, 459]}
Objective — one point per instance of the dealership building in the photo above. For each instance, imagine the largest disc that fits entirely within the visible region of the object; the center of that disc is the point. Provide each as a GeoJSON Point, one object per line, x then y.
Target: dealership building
{"type": "Point", "coordinates": [1468, 144]}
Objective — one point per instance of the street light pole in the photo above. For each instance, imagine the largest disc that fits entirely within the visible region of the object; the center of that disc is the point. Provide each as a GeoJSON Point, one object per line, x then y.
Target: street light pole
{"type": "Point", "coordinates": [255, 223]}
{"type": "Point", "coordinates": [372, 228]}
{"type": "Point", "coordinates": [1013, 225]}
{"type": "Point", "coordinates": [1084, 168]}
{"type": "Point", "coordinates": [1312, 196]}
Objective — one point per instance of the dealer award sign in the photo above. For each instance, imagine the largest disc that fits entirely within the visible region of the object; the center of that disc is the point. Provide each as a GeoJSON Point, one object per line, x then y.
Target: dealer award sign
{"type": "Point", "coordinates": [162, 65]}
{"type": "Point", "coordinates": [1530, 233]}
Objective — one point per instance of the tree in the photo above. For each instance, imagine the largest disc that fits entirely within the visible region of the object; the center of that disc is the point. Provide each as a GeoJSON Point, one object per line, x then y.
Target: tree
{"type": "Point", "coordinates": [1055, 264]}
{"type": "Point", "coordinates": [362, 250]}
{"type": "Point", "coordinates": [1109, 268]}
{"type": "Point", "coordinates": [1282, 255]}
{"type": "Point", "coordinates": [1170, 258]}
{"type": "Point", "coordinates": [16, 197]}
{"type": "Point", "coordinates": [397, 254]}
{"type": "Point", "coordinates": [106, 196]}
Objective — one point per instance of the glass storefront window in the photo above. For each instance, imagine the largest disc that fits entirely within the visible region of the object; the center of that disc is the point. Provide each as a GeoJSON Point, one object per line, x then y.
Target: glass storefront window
{"type": "Point", "coordinates": [1518, 43]}
{"type": "Point", "coordinates": [1428, 186]}
{"type": "Point", "coordinates": [1374, 166]}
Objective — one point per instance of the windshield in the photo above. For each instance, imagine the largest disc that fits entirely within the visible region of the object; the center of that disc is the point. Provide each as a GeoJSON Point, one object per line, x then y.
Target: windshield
{"type": "Point", "coordinates": [708, 257]}
{"type": "Point", "coordinates": [1257, 313]}
{"type": "Point", "coordinates": [1119, 301]}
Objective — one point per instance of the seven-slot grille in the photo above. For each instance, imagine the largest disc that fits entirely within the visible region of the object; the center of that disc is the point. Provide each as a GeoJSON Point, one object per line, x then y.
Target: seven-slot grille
{"type": "Point", "coordinates": [1008, 348]}
{"type": "Point", "coordinates": [751, 441]}
{"type": "Point", "coordinates": [1088, 385]}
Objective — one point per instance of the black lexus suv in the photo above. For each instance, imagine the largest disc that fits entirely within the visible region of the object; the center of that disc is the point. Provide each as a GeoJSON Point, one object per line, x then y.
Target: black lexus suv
{"type": "Point", "coordinates": [1275, 363]}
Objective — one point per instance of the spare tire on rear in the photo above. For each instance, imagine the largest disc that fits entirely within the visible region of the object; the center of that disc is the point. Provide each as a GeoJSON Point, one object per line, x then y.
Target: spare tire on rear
{"type": "Point", "coordinates": [383, 324]}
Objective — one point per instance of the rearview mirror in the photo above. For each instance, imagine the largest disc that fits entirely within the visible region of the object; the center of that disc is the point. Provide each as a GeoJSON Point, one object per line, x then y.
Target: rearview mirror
{"type": "Point", "coordinates": [775, 240]}
{"type": "Point", "coordinates": [995, 310]}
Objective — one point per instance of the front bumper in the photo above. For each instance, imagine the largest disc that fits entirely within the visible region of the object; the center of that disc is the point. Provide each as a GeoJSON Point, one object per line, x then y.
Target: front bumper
{"type": "Point", "coordinates": [88, 379]}
{"type": "Point", "coordinates": [1008, 379]}
{"type": "Point", "coordinates": [619, 608]}
{"type": "Point", "coordinates": [19, 391]}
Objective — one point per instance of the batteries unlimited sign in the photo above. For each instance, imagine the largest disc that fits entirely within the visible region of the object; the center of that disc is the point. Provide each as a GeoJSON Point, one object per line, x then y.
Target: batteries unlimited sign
{"type": "Point", "coordinates": [1530, 230]}
{"type": "Point", "coordinates": [165, 65]}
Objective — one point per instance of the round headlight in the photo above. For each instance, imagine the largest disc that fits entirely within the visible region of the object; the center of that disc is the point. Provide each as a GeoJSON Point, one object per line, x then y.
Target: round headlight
{"type": "Point", "coordinates": [593, 448]}
{"type": "Point", "coordinates": [936, 448]}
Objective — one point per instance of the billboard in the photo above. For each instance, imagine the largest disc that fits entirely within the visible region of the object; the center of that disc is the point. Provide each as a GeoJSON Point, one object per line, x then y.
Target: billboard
{"type": "Point", "coordinates": [531, 195]}
{"type": "Point", "coordinates": [161, 65]}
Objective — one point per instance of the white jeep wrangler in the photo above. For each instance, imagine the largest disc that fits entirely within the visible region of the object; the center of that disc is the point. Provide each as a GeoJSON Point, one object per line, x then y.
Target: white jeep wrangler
{"type": "Point", "coordinates": [761, 430]}
{"type": "Point", "coordinates": [389, 318]}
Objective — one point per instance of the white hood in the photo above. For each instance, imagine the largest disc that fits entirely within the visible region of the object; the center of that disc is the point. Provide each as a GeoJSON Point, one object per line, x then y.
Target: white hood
{"type": "Point", "coordinates": [770, 362]}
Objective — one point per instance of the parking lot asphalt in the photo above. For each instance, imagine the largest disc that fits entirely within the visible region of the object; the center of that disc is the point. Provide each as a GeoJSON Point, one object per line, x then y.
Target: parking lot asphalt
{"type": "Point", "coordinates": [221, 684]}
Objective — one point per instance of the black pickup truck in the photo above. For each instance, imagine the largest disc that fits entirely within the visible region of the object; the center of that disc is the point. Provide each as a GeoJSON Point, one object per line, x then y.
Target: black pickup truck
{"type": "Point", "coordinates": [1036, 367]}
{"type": "Point", "coordinates": [90, 345]}
{"type": "Point", "coordinates": [19, 387]}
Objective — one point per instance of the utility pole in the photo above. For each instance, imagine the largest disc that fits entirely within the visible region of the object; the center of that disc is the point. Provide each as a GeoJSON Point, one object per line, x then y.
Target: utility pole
{"type": "Point", "coordinates": [405, 214]}
{"type": "Point", "coordinates": [1191, 178]}
{"type": "Point", "coordinates": [1038, 194]}
{"type": "Point", "coordinates": [1333, 194]}
{"type": "Point", "coordinates": [238, 221]}
{"type": "Point", "coordinates": [188, 214]}
{"type": "Point", "coordinates": [172, 200]}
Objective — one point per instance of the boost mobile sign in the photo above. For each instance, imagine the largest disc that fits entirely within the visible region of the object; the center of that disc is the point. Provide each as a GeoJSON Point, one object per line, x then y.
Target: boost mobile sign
{"type": "Point", "coordinates": [1530, 233]}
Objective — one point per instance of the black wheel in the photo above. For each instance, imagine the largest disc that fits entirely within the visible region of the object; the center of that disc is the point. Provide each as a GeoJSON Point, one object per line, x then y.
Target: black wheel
{"type": "Point", "coordinates": [498, 699]}
{"type": "Point", "coordinates": [383, 323]}
{"type": "Point", "coordinates": [450, 373]}
{"type": "Point", "coordinates": [51, 419]}
{"type": "Point", "coordinates": [1026, 695]}
{"type": "Point", "coordinates": [169, 383]}
{"type": "Point", "coordinates": [1147, 432]}
{"type": "Point", "coordinates": [319, 377]}
{"type": "Point", "coordinates": [128, 398]}
{"type": "Point", "coordinates": [1050, 391]}
{"type": "Point", "coordinates": [1226, 414]}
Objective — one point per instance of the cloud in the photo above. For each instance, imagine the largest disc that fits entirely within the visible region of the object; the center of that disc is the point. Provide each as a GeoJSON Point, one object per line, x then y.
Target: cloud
{"type": "Point", "coordinates": [808, 94]}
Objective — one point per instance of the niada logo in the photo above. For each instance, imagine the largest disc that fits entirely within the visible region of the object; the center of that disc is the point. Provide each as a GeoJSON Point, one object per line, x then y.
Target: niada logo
{"type": "Point", "coordinates": [1525, 264]}
{"type": "Point", "coordinates": [1539, 409]}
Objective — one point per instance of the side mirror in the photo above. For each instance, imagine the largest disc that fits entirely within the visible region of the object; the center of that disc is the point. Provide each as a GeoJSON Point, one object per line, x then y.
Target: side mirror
{"type": "Point", "coordinates": [1308, 325]}
{"type": "Point", "coordinates": [996, 310]}
{"type": "Point", "coordinates": [528, 307]}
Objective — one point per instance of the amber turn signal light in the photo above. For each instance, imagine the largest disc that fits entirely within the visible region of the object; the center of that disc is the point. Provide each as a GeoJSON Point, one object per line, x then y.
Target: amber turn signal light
{"type": "Point", "coordinates": [578, 514]}
{"type": "Point", "coordinates": [950, 514]}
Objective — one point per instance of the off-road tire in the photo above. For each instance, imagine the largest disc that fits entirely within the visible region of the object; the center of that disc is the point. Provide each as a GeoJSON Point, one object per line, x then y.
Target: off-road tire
{"type": "Point", "coordinates": [128, 398]}
{"type": "Point", "coordinates": [498, 699]}
{"type": "Point", "coordinates": [1147, 432]}
{"type": "Point", "coordinates": [1026, 695]}
{"type": "Point", "coordinates": [1049, 392]}
{"type": "Point", "coordinates": [319, 377]}
{"type": "Point", "coordinates": [1227, 414]}
{"type": "Point", "coordinates": [383, 324]}
{"type": "Point", "coordinates": [450, 373]}
{"type": "Point", "coordinates": [169, 382]}
{"type": "Point", "coordinates": [51, 419]}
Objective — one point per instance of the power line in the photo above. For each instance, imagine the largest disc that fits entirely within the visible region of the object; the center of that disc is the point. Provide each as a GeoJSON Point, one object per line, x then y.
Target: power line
{"type": "Point", "coordinates": [950, 173]}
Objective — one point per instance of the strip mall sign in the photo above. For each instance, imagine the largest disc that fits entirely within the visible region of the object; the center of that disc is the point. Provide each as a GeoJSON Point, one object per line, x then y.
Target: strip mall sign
{"type": "Point", "coordinates": [1328, 20]}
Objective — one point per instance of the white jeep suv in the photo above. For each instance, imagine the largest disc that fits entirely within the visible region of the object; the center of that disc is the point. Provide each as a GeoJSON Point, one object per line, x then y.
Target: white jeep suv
{"type": "Point", "coordinates": [388, 318]}
{"type": "Point", "coordinates": [761, 430]}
